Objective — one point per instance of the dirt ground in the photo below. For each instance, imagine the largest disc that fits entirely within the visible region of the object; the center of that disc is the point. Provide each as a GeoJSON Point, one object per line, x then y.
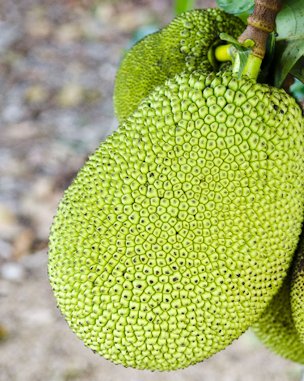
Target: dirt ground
{"type": "Point", "coordinates": [57, 68]}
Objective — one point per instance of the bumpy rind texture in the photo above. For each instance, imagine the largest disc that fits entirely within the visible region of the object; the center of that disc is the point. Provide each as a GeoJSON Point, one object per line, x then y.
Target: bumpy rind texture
{"type": "Point", "coordinates": [178, 231]}
{"type": "Point", "coordinates": [276, 327]}
{"type": "Point", "coordinates": [297, 292]}
{"type": "Point", "coordinates": [181, 46]}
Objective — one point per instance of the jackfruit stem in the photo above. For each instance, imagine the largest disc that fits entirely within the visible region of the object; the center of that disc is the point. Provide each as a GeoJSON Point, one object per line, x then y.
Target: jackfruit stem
{"type": "Point", "coordinates": [222, 53]}
{"type": "Point", "coordinates": [260, 24]}
{"type": "Point", "coordinates": [251, 68]}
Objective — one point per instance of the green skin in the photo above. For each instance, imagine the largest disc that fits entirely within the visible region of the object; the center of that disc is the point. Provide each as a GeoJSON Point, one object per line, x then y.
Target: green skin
{"type": "Point", "coordinates": [183, 45]}
{"type": "Point", "coordinates": [297, 292]}
{"type": "Point", "coordinates": [276, 328]}
{"type": "Point", "coordinates": [180, 228]}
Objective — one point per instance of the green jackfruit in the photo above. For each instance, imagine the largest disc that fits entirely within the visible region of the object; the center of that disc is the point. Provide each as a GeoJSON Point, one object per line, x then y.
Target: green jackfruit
{"type": "Point", "coordinates": [276, 327]}
{"type": "Point", "coordinates": [297, 292]}
{"type": "Point", "coordinates": [180, 228]}
{"type": "Point", "coordinates": [182, 45]}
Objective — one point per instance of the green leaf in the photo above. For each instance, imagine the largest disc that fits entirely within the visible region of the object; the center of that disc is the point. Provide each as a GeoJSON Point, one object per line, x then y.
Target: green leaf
{"type": "Point", "coordinates": [298, 70]}
{"type": "Point", "coordinates": [249, 44]}
{"type": "Point", "coordinates": [297, 90]}
{"type": "Point", "coordinates": [240, 53]}
{"type": "Point", "coordinates": [290, 21]}
{"type": "Point", "coordinates": [244, 16]}
{"type": "Point", "coordinates": [243, 56]}
{"type": "Point", "coordinates": [236, 7]}
{"type": "Point", "coordinates": [226, 37]}
{"type": "Point", "coordinates": [288, 54]}
{"type": "Point", "coordinates": [183, 6]}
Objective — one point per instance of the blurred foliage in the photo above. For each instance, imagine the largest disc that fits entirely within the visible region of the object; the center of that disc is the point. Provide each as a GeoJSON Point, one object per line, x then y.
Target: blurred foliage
{"type": "Point", "coordinates": [297, 90]}
{"type": "Point", "coordinates": [181, 6]}
{"type": "Point", "coordinates": [236, 7]}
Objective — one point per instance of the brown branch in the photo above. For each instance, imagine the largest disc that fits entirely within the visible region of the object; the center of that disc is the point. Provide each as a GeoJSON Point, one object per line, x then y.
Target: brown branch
{"type": "Point", "coordinates": [260, 24]}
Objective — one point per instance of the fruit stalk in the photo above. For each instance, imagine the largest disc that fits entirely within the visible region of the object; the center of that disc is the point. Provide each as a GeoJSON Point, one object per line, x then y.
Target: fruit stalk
{"type": "Point", "coordinates": [222, 53]}
{"type": "Point", "coordinates": [260, 24]}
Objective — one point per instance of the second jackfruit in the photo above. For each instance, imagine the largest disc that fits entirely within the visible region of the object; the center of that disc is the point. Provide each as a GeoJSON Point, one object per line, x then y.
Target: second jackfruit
{"type": "Point", "coordinates": [297, 293]}
{"type": "Point", "coordinates": [183, 45]}
{"type": "Point", "coordinates": [276, 328]}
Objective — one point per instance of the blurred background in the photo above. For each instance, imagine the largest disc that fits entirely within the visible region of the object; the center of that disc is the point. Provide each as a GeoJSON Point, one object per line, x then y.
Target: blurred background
{"type": "Point", "coordinates": [57, 67]}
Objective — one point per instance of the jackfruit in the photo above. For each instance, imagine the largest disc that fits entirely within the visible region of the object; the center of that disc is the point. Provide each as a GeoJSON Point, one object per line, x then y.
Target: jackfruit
{"type": "Point", "coordinates": [180, 228]}
{"type": "Point", "coordinates": [182, 45]}
{"type": "Point", "coordinates": [297, 292]}
{"type": "Point", "coordinates": [276, 328]}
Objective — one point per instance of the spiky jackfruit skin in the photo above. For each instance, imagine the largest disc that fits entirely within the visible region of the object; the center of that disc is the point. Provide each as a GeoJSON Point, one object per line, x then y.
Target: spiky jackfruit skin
{"type": "Point", "coordinates": [276, 327]}
{"type": "Point", "coordinates": [181, 46]}
{"type": "Point", "coordinates": [297, 292]}
{"type": "Point", "coordinates": [180, 228]}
